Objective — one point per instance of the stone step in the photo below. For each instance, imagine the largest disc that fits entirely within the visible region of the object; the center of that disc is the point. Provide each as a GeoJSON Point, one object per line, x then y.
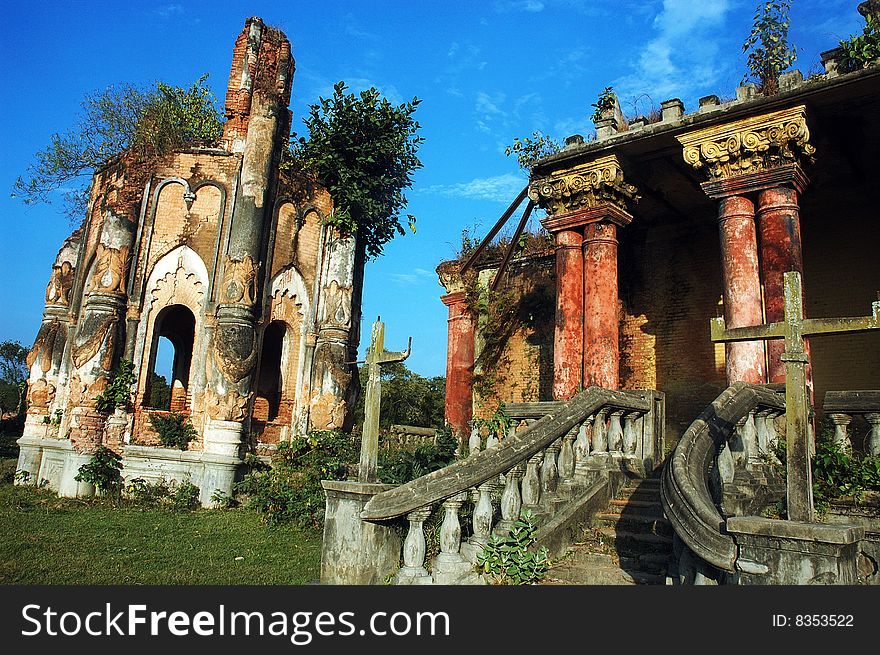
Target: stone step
{"type": "Point", "coordinates": [629, 502]}
{"type": "Point", "coordinates": [628, 542]}
{"type": "Point", "coordinates": [638, 523]}
{"type": "Point", "coordinates": [583, 567]}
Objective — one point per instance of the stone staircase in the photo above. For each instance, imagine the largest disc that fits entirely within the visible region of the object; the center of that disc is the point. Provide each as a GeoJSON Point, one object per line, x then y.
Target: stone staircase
{"type": "Point", "coordinates": [630, 542]}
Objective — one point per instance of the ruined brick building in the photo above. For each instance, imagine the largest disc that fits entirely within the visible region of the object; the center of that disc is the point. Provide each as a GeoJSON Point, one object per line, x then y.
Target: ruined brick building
{"type": "Point", "coordinates": [229, 258]}
{"type": "Point", "coordinates": [664, 222]}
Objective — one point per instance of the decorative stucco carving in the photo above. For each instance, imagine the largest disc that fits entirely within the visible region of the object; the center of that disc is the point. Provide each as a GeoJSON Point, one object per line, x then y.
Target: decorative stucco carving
{"type": "Point", "coordinates": [58, 290]}
{"type": "Point", "coordinates": [240, 281]}
{"type": "Point", "coordinates": [40, 395]}
{"type": "Point", "coordinates": [232, 406]}
{"type": "Point", "coordinates": [751, 145]}
{"type": "Point", "coordinates": [83, 351]}
{"type": "Point", "coordinates": [109, 272]}
{"type": "Point", "coordinates": [43, 346]}
{"type": "Point", "coordinates": [584, 186]}
{"type": "Point", "coordinates": [236, 350]}
{"type": "Point", "coordinates": [337, 305]}
{"type": "Point", "coordinates": [179, 287]}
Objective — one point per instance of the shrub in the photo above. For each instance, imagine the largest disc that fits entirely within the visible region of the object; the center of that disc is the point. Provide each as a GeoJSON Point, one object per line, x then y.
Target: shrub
{"type": "Point", "coordinates": [118, 391]}
{"type": "Point", "coordinates": [174, 430]}
{"type": "Point", "coordinates": [102, 471]}
{"type": "Point", "coordinates": [510, 559]}
{"type": "Point", "coordinates": [183, 496]}
{"type": "Point", "coordinates": [399, 466]}
{"type": "Point", "coordinates": [290, 491]}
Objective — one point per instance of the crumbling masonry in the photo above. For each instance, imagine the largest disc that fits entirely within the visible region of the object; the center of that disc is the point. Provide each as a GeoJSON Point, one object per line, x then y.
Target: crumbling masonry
{"type": "Point", "coordinates": [229, 258]}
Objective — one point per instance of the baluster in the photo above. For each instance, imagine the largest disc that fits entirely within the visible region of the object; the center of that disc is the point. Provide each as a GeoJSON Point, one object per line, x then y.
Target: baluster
{"type": "Point", "coordinates": [772, 436]}
{"type": "Point", "coordinates": [482, 518]}
{"type": "Point", "coordinates": [600, 443]}
{"type": "Point", "coordinates": [474, 442]}
{"type": "Point", "coordinates": [841, 435]}
{"type": "Point", "coordinates": [550, 468]}
{"type": "Point", "coordinates": [738, 448]}
{"type": "Point", "coordinates": [630, 436]}
{"type": "Point", "coordinates": [615, 432]}
{"type": "Point", "coordinates": [566, 455]}
{"type": "Point", "coordinates": [726, 468]}
{"type": "Point", "coordinates": [414, 549]}
{"type": "Point", "coordinates": [511, 501]}
{"type": "Point", "coordinates": [873, 418]}
{"type": "Point", "coordinates": [450, 530]}
{"type": "Point", "coordinates": [491, 440]}
{"type": "Point", "coordinates": [511, 432]}
{"type": "Point", "coordinates": [762, 417]}
{"type": "Point", "coordinates": [582, 446]}
{"type": "Point", "coordinates": [750, 438]}
{"type": "Point", "coordinates": [531, 482]}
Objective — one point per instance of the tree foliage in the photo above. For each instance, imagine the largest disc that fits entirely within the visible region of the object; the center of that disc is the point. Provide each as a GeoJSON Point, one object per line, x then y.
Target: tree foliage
{"type": "Point", "coordinates": [13, 375]}
{"type": "Point", "coordinates": [769, 52]}
{"type": "Point", "coordinates": [407, 398]}
{"type": "Point", "coordinates": [530, 149]}
{"type": "Point", "coordinates": [148, 123]}
{"type": "Point", "coordinates": [362, 149]}
{"type": "Point", "coordinates": [863, 49]}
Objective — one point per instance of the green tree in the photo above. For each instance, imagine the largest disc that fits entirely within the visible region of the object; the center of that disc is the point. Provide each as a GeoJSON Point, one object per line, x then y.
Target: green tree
{"type": "Point", "coordinates": [13, 375]}
{"type": "Point", "coordinates": [160, 392]}
{"type": "Point", "coordinates": [362, 149]}
{"type": "Point", "coordinates": [769, 52]}
{"type": "Point", "coordinates": [530, 149]}
{"type": "Point", "coordinates": [147, 123]}
{"type": "Point", "coordinates": [407, 398]}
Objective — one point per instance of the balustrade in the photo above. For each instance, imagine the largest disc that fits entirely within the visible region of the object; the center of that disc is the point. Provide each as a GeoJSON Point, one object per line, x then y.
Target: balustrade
{"type": "Point", "coordinates": [843, 407]}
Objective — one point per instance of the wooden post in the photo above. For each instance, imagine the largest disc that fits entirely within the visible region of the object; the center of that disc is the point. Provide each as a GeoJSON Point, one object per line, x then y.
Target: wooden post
{"type": "Point", "coordinates": [794, 328]}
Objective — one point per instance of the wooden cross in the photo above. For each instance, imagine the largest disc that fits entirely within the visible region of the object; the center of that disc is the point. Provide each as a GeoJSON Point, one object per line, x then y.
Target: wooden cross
{"type": "Point", "coordinates": [376, 357]}
{"type": "Point", "coordinates": [794, 327]}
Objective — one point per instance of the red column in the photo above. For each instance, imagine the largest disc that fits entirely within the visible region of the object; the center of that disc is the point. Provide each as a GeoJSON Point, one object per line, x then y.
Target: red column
{"type": "Point", "coordinates": [742, 286]}
{"type": "Point", "coordinates": [459, 363]}
{"type": "Point", "coordinates": [780, 231]}
{"type": "Point", "coordinates": [601, 321]}
{"type": "Point", "coordinates": [568, 338]}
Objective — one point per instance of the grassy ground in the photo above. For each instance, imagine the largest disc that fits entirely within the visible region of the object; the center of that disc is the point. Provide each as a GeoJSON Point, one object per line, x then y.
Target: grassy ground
{"type": "Point", "coordinates": [48, 540]}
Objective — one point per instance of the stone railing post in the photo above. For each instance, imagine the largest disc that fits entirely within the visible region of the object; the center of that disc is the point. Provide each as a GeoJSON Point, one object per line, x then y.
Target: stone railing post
{"type": "Point", "coordinates": [873, 419]}
{"type": "Point", "coordinates": [413, 570]}
{"type": "Point", "coordinates": [566, 455]}
{"type": "Point", "coordinates": [841, 434]}
{"type": "Point", "coordinates": [550, 468]}
{"type": "Point", "coordinates": [511, 501]}
{"type": "Point", "coordinates": [615, 432]}
{"type": "Point", "coordinates": [582, 446]}
{"type": "Point", "coordinates": [531, 482]}
{"type": "Point", "coordinates": [630, 435]}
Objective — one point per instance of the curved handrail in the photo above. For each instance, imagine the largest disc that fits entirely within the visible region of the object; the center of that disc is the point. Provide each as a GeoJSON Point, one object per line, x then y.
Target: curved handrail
{"type": "Point", "coordinates": [492, 462]}
{"type": "Point", "coordinates": [684, 490]}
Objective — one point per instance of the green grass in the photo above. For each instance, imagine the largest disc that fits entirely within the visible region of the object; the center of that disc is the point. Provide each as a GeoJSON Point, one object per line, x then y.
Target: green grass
{"type": "Point", "coordinates": [51, 540]}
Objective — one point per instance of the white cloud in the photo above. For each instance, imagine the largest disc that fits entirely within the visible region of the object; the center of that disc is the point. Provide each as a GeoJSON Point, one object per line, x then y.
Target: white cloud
{"type": "Point", "coordinates": [167, 11]}
{"type": "Point", "coordinates": [682, 59]}
{"type": "Point", "coordinates": [499, 188]}
{"type": "Point", "coordinates": [530, 6]}
{"type": "Point", "coordinates": [417, 276]}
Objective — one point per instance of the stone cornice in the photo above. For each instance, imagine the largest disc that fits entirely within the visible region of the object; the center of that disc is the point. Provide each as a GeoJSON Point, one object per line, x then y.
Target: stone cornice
{"type": "Point", "coordinates": [584, 186]}
{"type": "Point", "coordinates": [577, 219]}
{"type": "Point", "coordinates": [751, 145]}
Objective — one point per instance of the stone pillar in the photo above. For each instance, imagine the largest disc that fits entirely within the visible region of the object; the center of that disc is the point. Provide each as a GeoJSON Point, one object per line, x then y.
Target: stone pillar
{"type": "Point", "coordinates": [756, 158]}
{"type": "Point", "coordinates": [601, 322]}
{"type": "Point", "coordinates": [588, 199]}
{"type": "Point", "coordinates": [742, 286]}
{"type": "Point", "coordinates": [569, 335]}
{"type": "Point", "coordinates": [459, 364]}
{"type": "Point", "coordinates": [779, 227]}
{"type": "Point", "coordinates": [257, 97]}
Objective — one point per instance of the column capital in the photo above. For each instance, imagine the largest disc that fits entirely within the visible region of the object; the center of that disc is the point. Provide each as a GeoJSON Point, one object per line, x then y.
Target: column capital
{"type": "Point", "coordinates": [450, 277]}
{"type": "Point", "coordinates": [586, 186]}
{"type": "Point", "coordinates": [753, 153]}
{"type": "Point", "coordinates": [454, 298]}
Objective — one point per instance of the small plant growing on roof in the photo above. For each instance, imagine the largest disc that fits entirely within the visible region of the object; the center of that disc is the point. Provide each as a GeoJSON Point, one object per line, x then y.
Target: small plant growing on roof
{"type": "Point", "coordinates": [769, 52]}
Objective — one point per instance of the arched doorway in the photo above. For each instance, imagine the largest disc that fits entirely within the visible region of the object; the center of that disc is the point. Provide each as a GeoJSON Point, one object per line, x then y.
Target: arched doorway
{"type": "Point", "coordinates": [173, 340]}
{"type": "Point", "coordinates": [271, 407]}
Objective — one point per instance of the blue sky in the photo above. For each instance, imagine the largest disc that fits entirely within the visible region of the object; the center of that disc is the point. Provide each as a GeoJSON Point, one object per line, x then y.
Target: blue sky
{"type": "Point", "coordinates": [485, 71]}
